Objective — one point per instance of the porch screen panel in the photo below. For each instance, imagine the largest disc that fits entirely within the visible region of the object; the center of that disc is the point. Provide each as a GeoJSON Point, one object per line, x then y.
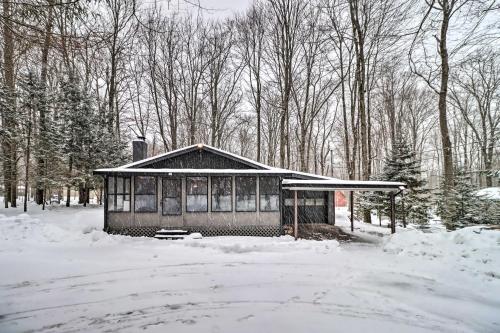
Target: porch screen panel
{"type": "Point", "coordinates": [222, 194]}
{"type": "Point", "coordinates": [119, 194]}
{"type": "Point", "coordinates": [269, 194]}
{"type": "Point", "coordinates": [145, 194]}
{"type": "Point", "coordinates": [196, 194]}
{"type": "Point", "coordinates": [111, 194]}
{"type": "Point", "coordinates": [246, 194]}
{"type": "Point", "coordinates": [171, 196]}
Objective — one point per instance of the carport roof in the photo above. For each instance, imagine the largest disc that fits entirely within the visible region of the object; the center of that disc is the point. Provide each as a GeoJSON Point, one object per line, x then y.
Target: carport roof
{"type": "Point", "coordinates": [333, 184]}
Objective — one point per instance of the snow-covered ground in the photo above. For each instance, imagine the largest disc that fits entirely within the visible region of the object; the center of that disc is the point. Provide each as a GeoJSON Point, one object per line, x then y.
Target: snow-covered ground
{"type": "Point", "coordinates": [60, 273]}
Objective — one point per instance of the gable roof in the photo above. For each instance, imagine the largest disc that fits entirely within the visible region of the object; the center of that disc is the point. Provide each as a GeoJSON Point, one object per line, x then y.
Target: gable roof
{"type": "Point", "coordinates": [246, 161]}
{"type": "Point", "coordinates": [306, 181]}
{"type": "Point", "coordinates": [253, 166]}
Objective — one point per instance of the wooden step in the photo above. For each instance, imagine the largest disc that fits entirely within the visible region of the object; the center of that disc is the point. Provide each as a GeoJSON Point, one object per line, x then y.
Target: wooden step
{"type": "Point", "coordinates": [171, 234]}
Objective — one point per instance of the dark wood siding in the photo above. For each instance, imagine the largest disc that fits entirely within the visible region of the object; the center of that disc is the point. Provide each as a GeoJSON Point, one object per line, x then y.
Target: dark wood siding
{"type": "Point", "coordinates": [198, 159]}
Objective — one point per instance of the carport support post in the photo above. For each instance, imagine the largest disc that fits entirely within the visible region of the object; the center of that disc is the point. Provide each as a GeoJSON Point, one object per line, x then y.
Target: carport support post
{"type": "Point", "coordinates": [333, 207]}
{"type": "Point", "coordinates": [403, 208]}
{"type": "Point", "coordinates": [351, 203]}
{"type": "Point", "coordinates": [295, 216]}
{"type": "Point", "coordinates": [393, 212]}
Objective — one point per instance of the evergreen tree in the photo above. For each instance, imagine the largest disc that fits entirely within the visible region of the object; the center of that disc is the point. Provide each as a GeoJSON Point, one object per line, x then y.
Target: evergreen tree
{"type": "Point", "coordinates": [464, 206]}
{"type": "Point", "coordinates": [86, 143]}
{"type": "Point", "coordinates": [373, 201]}
{"type": "Point", "coordinates": [402, 166]}
{"type": "Point", "coordinates": [75, 125]}
{"type": "Point", "coordinates": [29, 100]}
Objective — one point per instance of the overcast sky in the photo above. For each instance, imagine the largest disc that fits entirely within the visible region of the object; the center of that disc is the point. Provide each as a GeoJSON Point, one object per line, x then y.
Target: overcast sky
{"type": "Point", "coordinates": [219, 8]}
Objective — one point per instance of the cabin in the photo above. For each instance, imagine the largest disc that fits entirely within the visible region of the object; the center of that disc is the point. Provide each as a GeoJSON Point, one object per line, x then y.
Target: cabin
{"type": "Point", "coordinates": [203, 189]}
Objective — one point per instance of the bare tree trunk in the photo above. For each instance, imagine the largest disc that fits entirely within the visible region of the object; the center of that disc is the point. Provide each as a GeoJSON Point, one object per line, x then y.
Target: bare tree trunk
{"type": "Point", "coordinates": [27, 166]}
{"type": "Point", "coordinates": [68, 189]}
{"type": "Point", "coordinates": [359, 41]}
{"type": "Point", "coordinates": [8, 120]}
{"type": "Point", "coordinates": [443, 118]}
{"type": "Point", "coordinates": [287, 13]}
{"type": "Point", "coordinates": [42, 121]}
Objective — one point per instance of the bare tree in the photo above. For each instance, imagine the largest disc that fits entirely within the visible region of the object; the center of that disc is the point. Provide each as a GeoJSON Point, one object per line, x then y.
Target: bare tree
{"type": "Point", "coordinates": [252, 33]}
{"type": "Point", "coordinates": [359, 20]}
{"type": "Point", "coordinates": [193, 70]}
{"type": "Point", "coordinates": [438, 20]}
{"type": "Point", "coordinates": [222, 78]}
{"type": "Point", "coordinates": [9, 149]}
{"type": "Point", "coordinates": [314, 83]}
{"type": "Point", "coordinates": [116, 39]}
{"type": "Point", "coordinates": [475, 91]}
{"type": "Point", "coordinates": [286, 24]}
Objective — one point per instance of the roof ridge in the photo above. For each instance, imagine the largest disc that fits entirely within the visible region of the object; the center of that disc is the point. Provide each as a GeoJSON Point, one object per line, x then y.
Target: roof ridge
{"type": "Point", "coordinates": [200, 146]}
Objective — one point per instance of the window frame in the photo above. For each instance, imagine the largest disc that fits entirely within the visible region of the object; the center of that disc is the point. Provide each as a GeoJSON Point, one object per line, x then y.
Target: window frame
{"type": "Point", "coordinates": [115, 193]}
{"type": "Point", "coordinates": [212, 195]}
{"type": "Point", "coordinates": [179, 179]}
{"type": "Point", "coordinates": [277, 193]}
{"type": "Point", "coordinates": [142, 194]}
{"type": "Point", "coordinates": [236, 194]}
{"type": "Point", "coordinates": [206, 195]}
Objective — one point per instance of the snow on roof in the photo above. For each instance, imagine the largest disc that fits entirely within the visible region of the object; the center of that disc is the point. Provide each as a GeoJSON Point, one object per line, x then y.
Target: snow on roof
{"type": "Point", "coordinates": [491, 193]}
{"type": "Point", "coordinates": [269, 169]}
{"type": "Point", "coordinates": [210, 171]}
{"type": "Point", "coordinates": [200, 146]}
{"type": "Point", "coordinates": [191, 170]}
{"type": "Point", "coordinates": [332, 183]}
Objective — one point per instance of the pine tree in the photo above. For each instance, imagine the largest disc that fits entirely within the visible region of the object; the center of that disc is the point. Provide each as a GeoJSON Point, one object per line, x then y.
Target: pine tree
{"type": "Point", "coordinates": [464, 206]}
{"type": "Point", "coordinates": [86, 143]}
{"type": "Point", "coordinates": [74, 126]}
{"type": "Point", "coordinates": [29, 100]}
{"type": "Point", "coordinates": [373, 201]}
{"type": "Point", "coordinates": [402, 166]}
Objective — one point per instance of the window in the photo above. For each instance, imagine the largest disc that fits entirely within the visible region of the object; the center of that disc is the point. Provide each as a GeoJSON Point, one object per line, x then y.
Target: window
{"type": "Point", "coordinates": [196, 194]}
{"type": "Point", "coordinates": [171, 200]}
{"type": "Point", "coordinates": [269, 190]}
{"type": "Point", "coordinates": [145, 194]}
{"type": "Point", "coordinates": [118, 194]}
{"type": "Point", "coordinates": [222, 194]}
{"type": "Point", "coordinates": [245, 194]}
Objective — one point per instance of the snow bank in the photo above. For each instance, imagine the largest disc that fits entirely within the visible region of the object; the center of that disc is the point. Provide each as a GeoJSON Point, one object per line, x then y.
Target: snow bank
{"type": "Point", "coordinates": [84, 227]}
{"type": "Point", "coordinates": [490, 193]}
{"type": "Point", "coordinates": [473, 249]}
{"type": "Point", "coordinates": [75, 225]}
{"type": "Point", "coordinates": [62, 273]}
{"type": "Point", "coordinates": [261, 244]}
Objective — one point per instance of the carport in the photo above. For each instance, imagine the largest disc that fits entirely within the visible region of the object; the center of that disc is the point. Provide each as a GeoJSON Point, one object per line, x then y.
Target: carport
{"type": "Point", "coordinates": [332, 185]}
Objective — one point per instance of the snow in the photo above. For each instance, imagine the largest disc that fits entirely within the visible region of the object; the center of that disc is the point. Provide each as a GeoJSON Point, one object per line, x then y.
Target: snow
{"type": "Point", "coordinates": [199, 146]}
{"type": "Point", "coordinates": [60, 272]}
{"type": "Point", "coordinates": [491, 193]}
{"type": "Point", "coordinates": [265, 168]}
{"type": "Point", "coordinates": [343, 184]}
